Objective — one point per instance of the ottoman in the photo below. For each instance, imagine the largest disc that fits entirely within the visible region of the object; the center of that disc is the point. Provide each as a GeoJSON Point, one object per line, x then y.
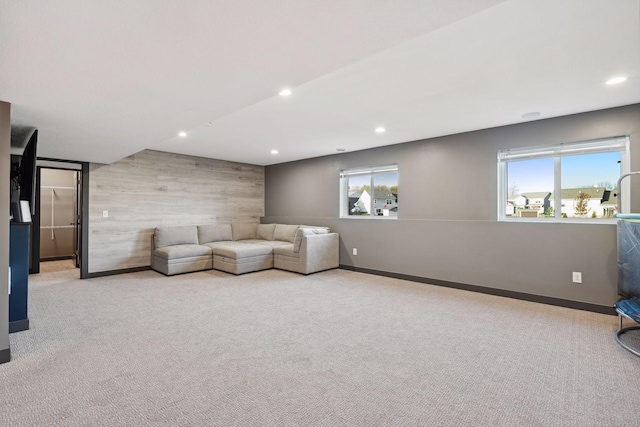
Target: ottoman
{"type": "Point", "coordinates": [242, 258]}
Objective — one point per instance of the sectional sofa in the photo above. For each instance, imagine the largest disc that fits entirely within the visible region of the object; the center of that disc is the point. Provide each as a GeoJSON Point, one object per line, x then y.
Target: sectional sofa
{"type": "Point", "coordinates": [242, 247]}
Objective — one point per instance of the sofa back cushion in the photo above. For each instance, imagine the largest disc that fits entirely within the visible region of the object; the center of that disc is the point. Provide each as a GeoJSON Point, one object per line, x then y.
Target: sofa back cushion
{"type": "Point", "coordinates": [306, 230]}
{"type": "Point", "coordinates": [265, 231]}
{"type": "Point", "coordinates": [243, 230]}
{"type": "Point", "coordinates": [177, 235]}
{"type": "Point", "coordinates": [285, 233]}
{"type": "Point", "coordinates": [214, 233]}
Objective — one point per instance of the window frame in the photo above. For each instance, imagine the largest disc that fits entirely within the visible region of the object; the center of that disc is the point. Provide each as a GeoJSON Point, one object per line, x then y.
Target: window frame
{"type": "Point", "coordinates": [372, 171]}
{"type": "Point", "coordinates": [619, 144]}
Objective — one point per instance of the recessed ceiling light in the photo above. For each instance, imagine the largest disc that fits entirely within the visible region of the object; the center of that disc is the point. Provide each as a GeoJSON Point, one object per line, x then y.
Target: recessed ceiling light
{"type": "Point", "coordinates": [616, 80]}
{"type": "Point", "coordinates": [182, 134]}
{"type": "Point", "coordinates": [531, 115]}
{"type": "Point", "coordinates": [341, 149]}
{"type": "Point", "coordinates": [380, 129]}
{"type": "Point", "coordinates": [274, 151]}
{"type": "Point", "coordinates": [285, 92]}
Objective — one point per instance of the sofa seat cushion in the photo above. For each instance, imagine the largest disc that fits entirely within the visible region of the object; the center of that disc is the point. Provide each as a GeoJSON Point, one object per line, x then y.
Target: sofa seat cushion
{"type": "Point", "coordinates": [230, 244]}
{"type": "Point", "coordinates": [182, 251]}
{"type": "Point", "coordinates": [285, 233]}
{"type": "Point", "coordinates": [177, 235]}
{"type": "Point", "coordinates": [214, 233]}
{"type": "Point", "coordinates": [243, 230]}
{"type": "Point", "coordinates": [286, 250]}
{"type": "Point", "coordinates": [265, 231]}
{"type": "Point", "coordinates": [272, 243]}
{"type": "Point", "coordinates": [244, 250]}
{"type": "Point", "coordinates": [214, 245]}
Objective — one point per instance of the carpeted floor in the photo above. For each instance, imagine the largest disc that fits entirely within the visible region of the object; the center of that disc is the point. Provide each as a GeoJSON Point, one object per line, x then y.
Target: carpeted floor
{"type": "Point", "coordinates": [58, 265]}
{"type": "Point", "coordinates": [334, 348]}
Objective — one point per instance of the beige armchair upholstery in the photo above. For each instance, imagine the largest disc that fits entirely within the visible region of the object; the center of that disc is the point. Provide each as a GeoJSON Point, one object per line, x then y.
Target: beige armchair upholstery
{"type": "Point", "coordinates": [176, 250]}
{"type": "Point", "coordinates": [317, 252]}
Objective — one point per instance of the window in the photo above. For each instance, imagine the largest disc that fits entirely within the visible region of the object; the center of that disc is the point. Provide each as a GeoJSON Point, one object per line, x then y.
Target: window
{"type": "Point", "coordinates": [572, 180]}
{"type": "Point", "coordinates": [358, 200]}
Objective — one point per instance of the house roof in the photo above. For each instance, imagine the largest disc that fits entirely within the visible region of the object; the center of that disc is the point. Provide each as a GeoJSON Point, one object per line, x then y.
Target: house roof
{"type": "Point", "coordinates": [573, 193]}
{"type": "Point", "coordinates": [612, 200]}
{"type": "Point", "coordinates": [383, 194]}
{"type": "Point", "coordinates": [537, 195]}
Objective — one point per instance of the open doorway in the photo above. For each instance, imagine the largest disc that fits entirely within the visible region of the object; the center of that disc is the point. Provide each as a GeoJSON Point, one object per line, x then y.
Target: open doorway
{"type": "Point", "coordinates": [59, 218]}
{"type": "Point", "coordinates": [56, 236]}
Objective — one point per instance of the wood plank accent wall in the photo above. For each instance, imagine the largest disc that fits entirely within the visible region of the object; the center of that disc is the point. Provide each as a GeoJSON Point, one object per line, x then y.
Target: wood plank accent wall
{"type": "Point", "coordinates": [153, 188]}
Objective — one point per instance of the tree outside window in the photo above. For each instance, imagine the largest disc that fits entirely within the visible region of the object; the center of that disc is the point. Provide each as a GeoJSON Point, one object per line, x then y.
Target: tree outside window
{"type": "Point", "coordinates": [370, 192]}
{"type": "Point", "coordinates": [573, 180]}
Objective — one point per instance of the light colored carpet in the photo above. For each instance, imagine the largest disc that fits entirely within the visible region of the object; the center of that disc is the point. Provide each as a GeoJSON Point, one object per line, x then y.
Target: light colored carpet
{"type": "Point", "coordinates": [58, 265]}
{"type": "Point", "coordinates": [334, 348]}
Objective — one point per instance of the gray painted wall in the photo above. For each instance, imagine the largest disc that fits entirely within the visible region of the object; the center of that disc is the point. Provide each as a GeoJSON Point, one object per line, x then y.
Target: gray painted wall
{"type": "Point", "coordinates": [448, 201]}
{"type": "Point", "coordinates": [5, 167]}
{"type": "Point", "coordinates": [153, 188]}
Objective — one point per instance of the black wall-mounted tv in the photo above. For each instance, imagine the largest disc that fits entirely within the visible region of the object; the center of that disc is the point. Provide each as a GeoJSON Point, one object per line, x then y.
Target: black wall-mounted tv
{"type": "Point", "coordinates": [28, 172]}
{"type": "Point", "coordinates": [23, 171]}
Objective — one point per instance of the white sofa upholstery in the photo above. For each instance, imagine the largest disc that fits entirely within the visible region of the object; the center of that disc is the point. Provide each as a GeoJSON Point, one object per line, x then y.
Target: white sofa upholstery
{"type": "Point", "coordinates": [309, 253]}
{"type": "Point", "coordinates": [177, 250]}
{"type": "Point", "coordinates": [239, 248]}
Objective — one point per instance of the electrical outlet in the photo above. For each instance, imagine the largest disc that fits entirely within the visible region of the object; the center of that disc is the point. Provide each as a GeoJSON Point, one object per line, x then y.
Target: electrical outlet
{"type": "Point", "coordinates": [105, 214]}
{"type": "Point", "coordinates": [355, 251]}
{"type": "Point", "coordinates": [577, 277]}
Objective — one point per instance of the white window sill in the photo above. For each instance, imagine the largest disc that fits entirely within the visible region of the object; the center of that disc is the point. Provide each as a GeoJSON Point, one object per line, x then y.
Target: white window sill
{"type": "Point", "coordinates": [370, 217]}
{"type": "Point", "coordinates": [562, 220]}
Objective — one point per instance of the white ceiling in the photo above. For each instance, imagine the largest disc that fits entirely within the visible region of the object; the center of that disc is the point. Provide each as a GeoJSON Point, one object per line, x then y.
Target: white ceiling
{"type": "Point", "coordinates": [103, 80]}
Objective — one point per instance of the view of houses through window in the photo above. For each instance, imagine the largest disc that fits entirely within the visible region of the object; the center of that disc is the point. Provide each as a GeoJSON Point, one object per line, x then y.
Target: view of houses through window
{"type": "Point", "coordinates": [566, 181]}
{"type": "Point", "coordinates": [370, 192]}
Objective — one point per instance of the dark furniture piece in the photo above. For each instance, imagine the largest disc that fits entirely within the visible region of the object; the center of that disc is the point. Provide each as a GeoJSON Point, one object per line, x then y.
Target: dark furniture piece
{"type": "Point", "coordinates": [19, 264]}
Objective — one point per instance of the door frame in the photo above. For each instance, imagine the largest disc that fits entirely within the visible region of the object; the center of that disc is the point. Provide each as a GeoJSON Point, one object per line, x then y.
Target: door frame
{"type": "Point", "coordinates": [83, 224]}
